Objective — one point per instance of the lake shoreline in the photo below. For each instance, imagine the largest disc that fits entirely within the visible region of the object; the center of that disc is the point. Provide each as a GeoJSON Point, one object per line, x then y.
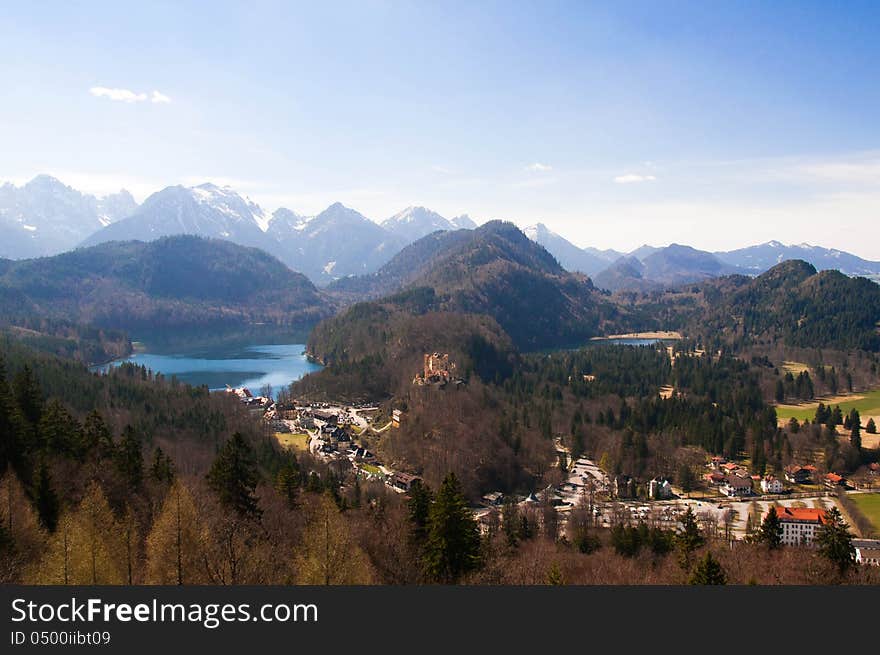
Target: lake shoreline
{"type": "Point", "coordinates": [664, 335]}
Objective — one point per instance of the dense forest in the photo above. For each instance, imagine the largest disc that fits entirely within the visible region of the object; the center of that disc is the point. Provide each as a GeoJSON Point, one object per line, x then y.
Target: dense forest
{"type": "Point", "coordinates": [174, 283]}
{"type": "Point", "coordinates": [131, 478]}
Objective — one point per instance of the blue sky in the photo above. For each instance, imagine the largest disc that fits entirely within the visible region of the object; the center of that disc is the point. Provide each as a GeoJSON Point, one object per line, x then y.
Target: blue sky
{"type": "Point", "coordinates": [714, 124]}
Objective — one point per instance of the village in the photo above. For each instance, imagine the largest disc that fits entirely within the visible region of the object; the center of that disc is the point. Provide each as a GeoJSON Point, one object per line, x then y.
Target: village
{"type": "Point", "coordinates": [728, 500]}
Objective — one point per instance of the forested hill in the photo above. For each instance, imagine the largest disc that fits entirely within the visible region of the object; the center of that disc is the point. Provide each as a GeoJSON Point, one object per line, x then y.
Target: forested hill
{"type": "Point", "coordinates": [174, 282]}
{"type": "Point", "coordinates": [794, 303]}
{"type": "Point", "coordinates": [496, 270]}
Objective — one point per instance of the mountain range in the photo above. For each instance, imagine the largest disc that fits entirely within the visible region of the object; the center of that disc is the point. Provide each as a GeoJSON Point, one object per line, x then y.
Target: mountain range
{"type": "Point", "coordinates": [45, 217]}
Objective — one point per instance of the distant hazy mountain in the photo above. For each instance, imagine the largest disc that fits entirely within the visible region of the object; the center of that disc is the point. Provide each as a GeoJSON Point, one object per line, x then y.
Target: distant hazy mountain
{"type": "Point", "coordinates": [463, 222]}
{"type": "Point", "coordinates": [670, 266]}
{"type": "Point", "coordinates": [45, 217]}
{"type": "Point", "coordinates": [760, 258]}
{"type": "Point", "coordinates": [205, 210]}
{"type": "Point", "coordinates": [569, 255]}
{"type": "Point", "coordinates": [643, 251]}
{"type": "Point", "coordinates": [337, 242]}
{"type": "Point", "coordinates": [415, 222]}
{"type": "Point", "coordinates": [609, 255]}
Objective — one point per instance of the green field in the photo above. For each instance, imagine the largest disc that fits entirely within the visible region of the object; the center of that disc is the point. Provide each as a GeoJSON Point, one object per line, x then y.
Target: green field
{"type": "Point", "coordinates": [869, 504]}
{"type": "Point", "coordinates": [298, 441]}
{"type": "Point", "coordinates": [868, 405]}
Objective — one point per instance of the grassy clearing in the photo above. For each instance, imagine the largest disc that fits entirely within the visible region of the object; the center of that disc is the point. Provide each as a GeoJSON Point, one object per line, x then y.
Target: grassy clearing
{"type": "Point", "coordinates": [867, 403]}
{"type": "Point", "coordinates": [795, 368]}
{"type": "Point", "coordinates": [869, 505]}
{"type": "Point", "coordinates": [297, 441]}
{"type": "Point", "coordinates": [369, 468]}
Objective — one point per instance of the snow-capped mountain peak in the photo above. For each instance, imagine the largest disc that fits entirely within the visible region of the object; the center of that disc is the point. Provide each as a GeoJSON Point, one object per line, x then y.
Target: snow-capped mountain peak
{"type": "Point", "coordinates": [415, 222]}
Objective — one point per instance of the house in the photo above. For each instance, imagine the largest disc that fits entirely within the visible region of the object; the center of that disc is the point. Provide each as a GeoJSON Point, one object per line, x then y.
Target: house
{"type": "Point", "coordinates": [717, 461]}
{"type": "Point", "coordinates": [800, 524]}
{"type": "Point", "coordinates": [340, 438]}
{"type": "Point", "coordinates": [624, 487]}
{"type": "Point", "coordinates": [396, 417]}
{"type": "Point", "coordinates": [736, 486]}
{"type": "Point", "coordinates": [832, 480]}
{"type": "Point", "coordinates": [659, 489]}
{"type": "Point", "coordinates": [730, 467]}
{"type": "Point", "coordinates": [867, 551]}
{"type": "Point", "coordinates": [493, 498]}
{"type": "Point", "coordinates": [714, 479]}
{"type": "Point", "coordinates": [771, 485]}
{"type": "Point", "coordinates": [799, 474]}
{"type": "Point", "coordinates": [403, 481]}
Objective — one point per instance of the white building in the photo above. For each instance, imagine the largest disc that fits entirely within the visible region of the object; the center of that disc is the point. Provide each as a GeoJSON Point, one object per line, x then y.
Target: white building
{"type": "Point", "coordinates": [867, 551]}
{"type": "Point", "coordinates": [800, 524]}
{"type": "Point", "coordinates": [771, 485]}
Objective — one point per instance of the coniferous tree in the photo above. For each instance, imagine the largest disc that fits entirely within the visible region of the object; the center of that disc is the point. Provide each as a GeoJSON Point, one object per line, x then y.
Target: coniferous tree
{"type": "Point", "coordinates": [453, 545]}
{"type": "Point", "coordinates": [28, 395]}
{"type": "Point", "coordinates": [855, 436]}
{"type": "Point", "coordinates": [871, 427]}
{"type": "Point", "coordinates": [96, 436]}
{"type": "Point", "coordinates": [287, 481]}
{"type": "Point", "coordinates": [770, 532]}
{"type": "Point", "coordinates": [129, 458]}
{"type": "Point", "coordinates": [162, 469]}
{"type": "Point", "coordinates": [420, 499]}
{"type": "Point", "coordinates": [708, 571]}
{"type": "Point", "coordinates": [45, 498]}
{"type": "Point", "coordinates": [689, 538]}
{"type": "Point", "coordinates": [59, 431]}
{"type": "Point", "coordinates": [10, 448]}
{"type": "Point", "coordinates": [233, 477]}
{"type": "Point", "coordinates": [834, 541]}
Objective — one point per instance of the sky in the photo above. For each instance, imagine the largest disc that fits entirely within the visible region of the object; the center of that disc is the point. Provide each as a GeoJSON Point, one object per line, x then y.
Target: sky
{"type": "Point", "coordinates": [715, 124]}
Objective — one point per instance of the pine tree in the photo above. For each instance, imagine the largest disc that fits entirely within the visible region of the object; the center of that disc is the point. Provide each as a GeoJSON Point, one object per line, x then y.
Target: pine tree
{"type": "Point", "coordinates": [420, 499]}
{"type": "Point", "coordinates": [689, 538]}
{"type": "Point", "coordinates": [871, 427]}
{"type": "Point", "coordinates": [708, 571]}
{"type": "Point", "coordinates": [59, 431]}
{"type": "Point", "coordinates": [770, 532]}
{"type": "Point", "coordinates": [129, 458]}
{"type": "Point", "coordinates": [287, 481]}
{"type": "Point", "coordinates": [554, 575]}
{"type": "Point", "coordinates": [453, 545]}
{"type": "Point", "coordinates": [45, 498]}
{"type": "Point", "coordinates": [96, 436]}
{"type": "Point", "coordinates": [28, 395]}
{"type": "Point", "coordinates": [162, 469]}
{"type": "Point", "coordinates": [233, 477]}
{"type": "Point", "coordinates": [834, 541]}
{"type": "Point", "coordinates": [10, 448]}
{"type": "Point", "coordinates": [855, 437]}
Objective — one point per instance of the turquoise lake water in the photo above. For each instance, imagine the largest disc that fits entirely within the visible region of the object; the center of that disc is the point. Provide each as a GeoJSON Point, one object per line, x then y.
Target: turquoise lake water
{"type": "Point", "coordinates": [252, 366]}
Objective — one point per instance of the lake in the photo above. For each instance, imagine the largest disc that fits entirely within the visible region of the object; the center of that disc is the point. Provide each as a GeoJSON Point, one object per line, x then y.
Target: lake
{"type": "Point", "coordinates": [252, 366]}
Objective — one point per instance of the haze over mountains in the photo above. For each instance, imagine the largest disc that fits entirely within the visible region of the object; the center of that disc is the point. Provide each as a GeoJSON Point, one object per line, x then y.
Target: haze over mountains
{"type": "Point", "coordinates": [45, 217]}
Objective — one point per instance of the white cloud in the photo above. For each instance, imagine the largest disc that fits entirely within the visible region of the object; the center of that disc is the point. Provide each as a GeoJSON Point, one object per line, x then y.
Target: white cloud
{"type": "Point", "coordinates": [159, 98]}
{"type": "Point", "coordinates": [538, 167]}
{"type": "Point", "coordinates": [119, 95]}
{"type": "Point", "coordinates": [632, 178]}
{"type": "Point", "coordinates": [127, 95]}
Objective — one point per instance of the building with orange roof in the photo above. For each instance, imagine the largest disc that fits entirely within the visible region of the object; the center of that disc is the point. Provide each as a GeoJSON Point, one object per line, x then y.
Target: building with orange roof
{"type": "Point", "coordinates": [800, 524]}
